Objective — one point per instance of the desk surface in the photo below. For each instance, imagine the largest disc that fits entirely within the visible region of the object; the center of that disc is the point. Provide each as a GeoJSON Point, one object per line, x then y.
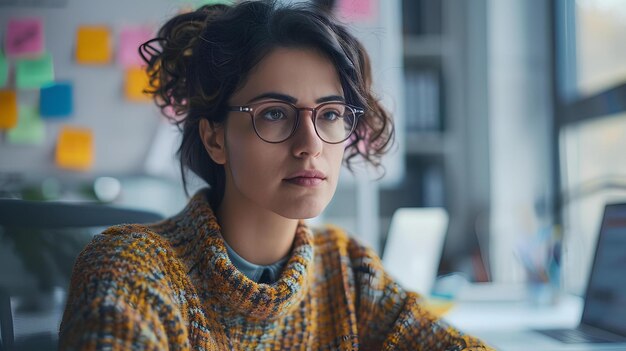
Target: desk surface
{"type": "Point", "coordinates": [515, 315]}
{"type": "Point", "coordinates": [504, 318]}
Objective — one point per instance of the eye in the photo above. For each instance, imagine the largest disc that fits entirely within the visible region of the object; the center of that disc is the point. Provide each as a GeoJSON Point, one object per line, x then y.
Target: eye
{"type": "Point", "coordinates": [330, 115]}
{"type": "Point", "coordinates": [273, 114]}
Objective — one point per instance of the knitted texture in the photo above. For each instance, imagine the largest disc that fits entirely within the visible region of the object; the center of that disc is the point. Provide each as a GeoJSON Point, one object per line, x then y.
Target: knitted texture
{"type": "Point", "coordinates": [171, 286]}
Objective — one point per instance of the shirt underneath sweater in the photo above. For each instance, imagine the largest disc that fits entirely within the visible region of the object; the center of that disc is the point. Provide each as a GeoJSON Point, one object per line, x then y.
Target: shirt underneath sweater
{"type": "Point", "coordinates": [255, 272]}
{"type": "Point", "coordinates": [172, 286]}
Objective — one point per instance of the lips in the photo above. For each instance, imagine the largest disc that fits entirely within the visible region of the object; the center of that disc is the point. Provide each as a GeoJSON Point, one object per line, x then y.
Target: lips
{"type": "Point", "coordinates": [306, 178]}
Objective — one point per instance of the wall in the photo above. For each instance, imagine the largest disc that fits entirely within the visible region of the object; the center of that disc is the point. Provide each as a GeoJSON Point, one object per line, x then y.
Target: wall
{"type": "Point", "coordinates": [520, 112]}
{"type": "Point", "coordinates": [123, 130]}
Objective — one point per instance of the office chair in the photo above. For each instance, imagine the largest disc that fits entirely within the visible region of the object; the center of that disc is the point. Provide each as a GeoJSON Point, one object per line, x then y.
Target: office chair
{"type": "Point", "coordinates": [41, 240]}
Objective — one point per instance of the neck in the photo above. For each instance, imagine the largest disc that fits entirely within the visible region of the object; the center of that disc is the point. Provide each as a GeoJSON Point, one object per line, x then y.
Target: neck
{"type": "Point", "coordinates": [256, 234]}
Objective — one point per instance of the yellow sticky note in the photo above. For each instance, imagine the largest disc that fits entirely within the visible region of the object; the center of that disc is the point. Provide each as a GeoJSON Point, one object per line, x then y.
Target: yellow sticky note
{"type": "Point", "coordinates": [136, 81]}
{"type": "Point", "coordinates": [74, 148]}
{"type": "Point", "coordinates": [8, 109]}
{"type": "Point", "coordinates": [93, 45]}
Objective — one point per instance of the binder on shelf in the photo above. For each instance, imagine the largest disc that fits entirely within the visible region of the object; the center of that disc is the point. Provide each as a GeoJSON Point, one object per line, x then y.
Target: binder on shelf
{"type": "Point", "coordinates": [422, 17]}
{"type": "Point", "coordinates": [433, 186]}
{"type": "Point", "coordinates": [423, 100]}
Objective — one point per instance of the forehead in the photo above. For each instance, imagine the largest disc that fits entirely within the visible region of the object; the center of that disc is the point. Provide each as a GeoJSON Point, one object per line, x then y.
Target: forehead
{"type": "Point", "coordinates": [302, 73]}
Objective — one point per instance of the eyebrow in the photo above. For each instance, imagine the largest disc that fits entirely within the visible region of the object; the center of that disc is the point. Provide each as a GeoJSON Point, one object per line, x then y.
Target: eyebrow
{"type": "Point", "coordinates": [293, 100]}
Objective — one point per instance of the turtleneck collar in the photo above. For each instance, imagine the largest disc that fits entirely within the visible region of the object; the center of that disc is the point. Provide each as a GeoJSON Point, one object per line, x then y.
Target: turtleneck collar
{"type": "Point", "coordinates": [255, 271]}
{"type": "Point", "coordinates": [239, 294]}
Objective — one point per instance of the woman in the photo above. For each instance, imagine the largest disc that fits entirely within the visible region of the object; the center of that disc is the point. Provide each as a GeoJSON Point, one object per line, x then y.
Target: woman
{"type": "Point", "coordinates": [271, 99]}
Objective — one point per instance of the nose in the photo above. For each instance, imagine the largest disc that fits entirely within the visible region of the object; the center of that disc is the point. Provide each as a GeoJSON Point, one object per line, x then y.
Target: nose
{"type": "Point", "coordinates": [306, 142]}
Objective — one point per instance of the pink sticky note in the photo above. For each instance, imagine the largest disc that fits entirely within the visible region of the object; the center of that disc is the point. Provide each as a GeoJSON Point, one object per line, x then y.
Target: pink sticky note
{"type": "Point", "coordinates": [358, 10]}
{"type": "Point", "coordinates": [130, 39]}
{"type": "Point", "coordinates": [24, 37]}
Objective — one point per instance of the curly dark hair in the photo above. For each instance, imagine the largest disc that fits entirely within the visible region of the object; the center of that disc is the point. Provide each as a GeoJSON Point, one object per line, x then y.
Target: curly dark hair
{"type": "Point", "coordinates": [199, 59]}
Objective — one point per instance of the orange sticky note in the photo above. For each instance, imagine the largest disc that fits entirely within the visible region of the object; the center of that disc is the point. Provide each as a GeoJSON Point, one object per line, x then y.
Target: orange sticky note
{"type": "Point", "coordinates": [93, 45]}
{"type": "Point", "coordinates": [136, 81]}
{"type": "Point", "coordinates": [8, 109]}
{"type": "Point", "coordinates": [74, 148]}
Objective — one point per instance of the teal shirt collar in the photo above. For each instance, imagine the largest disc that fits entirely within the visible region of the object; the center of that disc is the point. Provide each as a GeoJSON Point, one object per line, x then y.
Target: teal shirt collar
{"type": "Point", "coordinates": [254, 271]}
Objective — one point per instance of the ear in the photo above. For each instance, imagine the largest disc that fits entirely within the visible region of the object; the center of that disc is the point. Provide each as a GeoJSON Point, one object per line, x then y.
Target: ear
{"type": "Point", "coordinates": [212, 135]}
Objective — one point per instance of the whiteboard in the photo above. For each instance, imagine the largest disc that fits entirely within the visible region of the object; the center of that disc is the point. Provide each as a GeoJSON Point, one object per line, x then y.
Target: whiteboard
{"type": "Point", "coordinates": [123, 130]}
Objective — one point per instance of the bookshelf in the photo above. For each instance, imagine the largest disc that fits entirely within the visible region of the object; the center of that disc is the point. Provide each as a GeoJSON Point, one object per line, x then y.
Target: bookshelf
{"type": "Point", "coordinates": [425, 143]}
{"type": "Point", "coordinates": [424, 48]}
{"type": "Point", "coordinates": [446, 128]}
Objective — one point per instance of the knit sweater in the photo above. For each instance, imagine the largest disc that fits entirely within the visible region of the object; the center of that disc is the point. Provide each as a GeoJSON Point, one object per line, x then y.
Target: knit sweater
{"type": "Point", "coordinates": [171, 286]}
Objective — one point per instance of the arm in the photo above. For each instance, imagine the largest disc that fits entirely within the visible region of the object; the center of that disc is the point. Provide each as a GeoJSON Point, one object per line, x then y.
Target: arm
{"type": "Point", "coordinates": [390, 318]}
{"type": "Point", "coordinates": [116, 299]}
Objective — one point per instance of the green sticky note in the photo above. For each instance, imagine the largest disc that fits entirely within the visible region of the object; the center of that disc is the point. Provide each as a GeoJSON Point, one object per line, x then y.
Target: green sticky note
{"type": "Point", "coordinates": [4, 71]}
{"type": "Point", "coordinates": [33, 73]}
{"type": "Point", "coordinates": [30, 128]}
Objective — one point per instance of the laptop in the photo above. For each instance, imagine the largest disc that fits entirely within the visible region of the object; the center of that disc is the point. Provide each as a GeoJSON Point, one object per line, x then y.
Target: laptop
{"type": "Point", "coordinates": [603, 321]}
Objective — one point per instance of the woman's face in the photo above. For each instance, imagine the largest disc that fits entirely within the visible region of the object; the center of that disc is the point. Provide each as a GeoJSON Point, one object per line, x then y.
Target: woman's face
{"type": "Point", "coordinates": [272, 177]}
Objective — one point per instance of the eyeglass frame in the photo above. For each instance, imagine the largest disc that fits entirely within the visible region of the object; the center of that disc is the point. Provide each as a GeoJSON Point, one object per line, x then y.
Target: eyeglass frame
{"type": "Point", "coordinates": [358, 112]}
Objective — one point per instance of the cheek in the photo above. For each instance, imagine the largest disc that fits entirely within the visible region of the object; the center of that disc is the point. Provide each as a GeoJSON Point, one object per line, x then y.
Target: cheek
{"type": "Point", "coordinates": [250, 161]}
{"type": "Point", "coordinates": [335, 157]}
{"type": "Point", "coordinates": [243, 160]}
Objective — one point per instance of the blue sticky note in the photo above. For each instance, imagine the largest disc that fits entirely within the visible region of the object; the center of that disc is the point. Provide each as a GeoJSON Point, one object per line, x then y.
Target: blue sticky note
{"type": "Point", "coordinates": [56, 100]}
{"type": "Point", "coordinates": [33, 73]}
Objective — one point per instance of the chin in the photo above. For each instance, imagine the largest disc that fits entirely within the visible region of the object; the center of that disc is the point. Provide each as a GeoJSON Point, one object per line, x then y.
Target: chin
{"type": "Point", "coordinates": [303, 210]}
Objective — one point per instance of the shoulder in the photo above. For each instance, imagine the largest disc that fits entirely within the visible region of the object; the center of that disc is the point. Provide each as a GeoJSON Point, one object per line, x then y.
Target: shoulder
{"type": "Point", "coordinates": [122, 249]}
{"type": "Point", "coordinates": [135, 235]}
{"type": "Point", "coordinates": [120, 278]}
{"type": "Point", "coordinates": [133, 238]}
{"type": "Point", "coordinates": [122, 260]}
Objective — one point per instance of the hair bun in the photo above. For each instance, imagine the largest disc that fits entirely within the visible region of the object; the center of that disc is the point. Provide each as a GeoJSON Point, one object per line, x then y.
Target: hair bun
{"type": "Point", "coordinates": [168, 57]}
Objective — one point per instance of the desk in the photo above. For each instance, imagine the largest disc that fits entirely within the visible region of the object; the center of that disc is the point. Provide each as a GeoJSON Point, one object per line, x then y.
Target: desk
{"type": "Point", "coordinates": [505, 321]}
{"type": "Point", "coordinates": [515, 315]}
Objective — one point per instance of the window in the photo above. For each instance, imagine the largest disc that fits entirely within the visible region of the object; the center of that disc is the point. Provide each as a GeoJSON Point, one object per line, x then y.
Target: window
{"type": "Point", "coordinates": [590, 68]}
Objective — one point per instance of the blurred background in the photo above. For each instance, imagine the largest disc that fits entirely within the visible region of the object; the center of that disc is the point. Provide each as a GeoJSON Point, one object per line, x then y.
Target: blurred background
{"type": "Point", "coordinates": [510, 118]}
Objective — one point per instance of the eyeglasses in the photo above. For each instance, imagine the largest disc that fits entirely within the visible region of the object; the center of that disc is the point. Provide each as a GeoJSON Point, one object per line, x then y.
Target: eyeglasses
{"type": "Point", "coordinates": [276, 121]}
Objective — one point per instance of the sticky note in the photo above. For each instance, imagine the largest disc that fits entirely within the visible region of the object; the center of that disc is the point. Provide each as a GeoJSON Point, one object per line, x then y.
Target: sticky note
{"type": "Point", "coordinates": [8, 109]}
{"type": "Point", "coordinates": [74, 148]}
{"type": "Point", "coordinates": [24, 37]}
{"type": "Point", "coordinates": [93, 45]}
{"type": "Point", "coordinates": [30, 128]}
{"type": "Point", "coordinates": [128, 48]}
{"type": "Point", "coordinates": [34, 73]}
{"type": "Point", "coordinates": [4, 71]}
{"type": "Point", "coordinates": [136, 81]}
{"type": "Point", "coordinates": [56, 100]}
{"type": "Point", "coordinates": [358, 10]}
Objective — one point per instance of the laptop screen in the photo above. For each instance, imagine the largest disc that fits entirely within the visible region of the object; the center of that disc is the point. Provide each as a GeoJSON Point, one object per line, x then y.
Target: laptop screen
{"type": "Point", "coordinates": [605, 301]}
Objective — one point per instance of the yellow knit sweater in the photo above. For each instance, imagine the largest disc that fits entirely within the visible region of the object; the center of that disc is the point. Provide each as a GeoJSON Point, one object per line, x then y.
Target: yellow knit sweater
{"type": "Point", "coordinates": [172, 286]}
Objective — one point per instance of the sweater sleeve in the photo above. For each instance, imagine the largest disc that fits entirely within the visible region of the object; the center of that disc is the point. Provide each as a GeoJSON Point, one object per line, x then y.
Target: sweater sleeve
{"type": "Point", "coordinates": [390, 318]}
{"type": "Point", "coordinates": [117, 298]}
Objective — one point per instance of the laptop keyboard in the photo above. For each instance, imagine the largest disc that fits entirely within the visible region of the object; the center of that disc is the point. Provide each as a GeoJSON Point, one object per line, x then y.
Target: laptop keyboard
{"type": "Point", "coordinates": [574, 336]}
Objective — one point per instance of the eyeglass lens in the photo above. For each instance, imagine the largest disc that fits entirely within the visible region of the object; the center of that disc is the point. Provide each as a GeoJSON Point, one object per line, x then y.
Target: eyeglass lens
{"type": "Point", "coordinates": [276, 121]}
